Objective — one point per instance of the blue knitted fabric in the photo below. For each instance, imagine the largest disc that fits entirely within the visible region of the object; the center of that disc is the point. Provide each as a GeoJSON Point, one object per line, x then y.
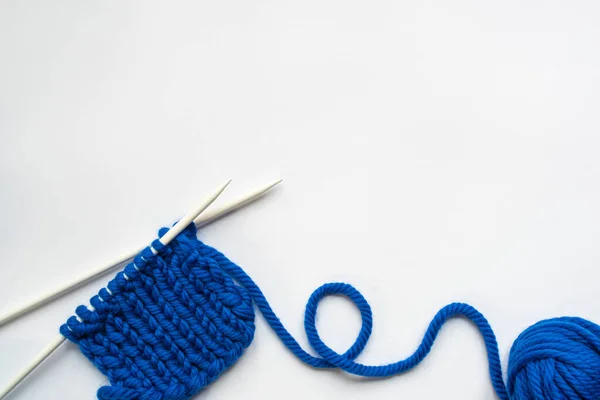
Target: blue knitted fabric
{"type": "Point", "coordinates": [171, 323]}
{"type": "Point", "coordinates": [167, 326]}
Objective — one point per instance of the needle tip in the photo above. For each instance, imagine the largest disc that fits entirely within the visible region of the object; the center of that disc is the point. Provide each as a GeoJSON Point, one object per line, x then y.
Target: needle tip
{"type": "Point", "coordinates": [277, 182]}
{"type": "Point", "coordinates": [221, 189]}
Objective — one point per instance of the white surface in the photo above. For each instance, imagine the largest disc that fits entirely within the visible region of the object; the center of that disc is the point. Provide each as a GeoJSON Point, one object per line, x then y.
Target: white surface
{"type": "Point", "coordinates": [432, 152]}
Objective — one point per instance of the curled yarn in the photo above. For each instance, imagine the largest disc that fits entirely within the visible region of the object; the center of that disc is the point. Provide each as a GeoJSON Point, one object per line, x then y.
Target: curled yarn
{"type": "Point", "coordinates": [557, 359]}
{"type": "Point", "coordinates": [171, 323]}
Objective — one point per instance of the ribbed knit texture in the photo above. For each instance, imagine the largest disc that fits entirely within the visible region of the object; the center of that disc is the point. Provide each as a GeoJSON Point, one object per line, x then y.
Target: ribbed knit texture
{"type": "Point", "coordinates": [167, 326]}
{"type": "Point", "coordinates": [173, 322]}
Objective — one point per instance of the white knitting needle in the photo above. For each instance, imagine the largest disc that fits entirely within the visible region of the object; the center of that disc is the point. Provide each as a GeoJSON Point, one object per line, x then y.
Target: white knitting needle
{"type": "Point", "coordinates": [200, 221]}
{"type": "Point", "coordinates": [33, 365]}
{"type": "Point", "coordinates": [166, 239]}
{"type": "Point", "coordinates": [212, 215]}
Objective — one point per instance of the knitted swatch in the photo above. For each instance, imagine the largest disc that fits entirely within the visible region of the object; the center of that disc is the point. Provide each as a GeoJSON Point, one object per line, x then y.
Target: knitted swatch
{"type": "Point", "coordinates": [167, 326]}
{"type": "Point", "coordinates": [172, 322]}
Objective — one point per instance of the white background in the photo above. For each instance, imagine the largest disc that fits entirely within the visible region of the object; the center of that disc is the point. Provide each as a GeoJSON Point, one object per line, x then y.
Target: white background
{"type": "Point", "coordinates": [432, 152]}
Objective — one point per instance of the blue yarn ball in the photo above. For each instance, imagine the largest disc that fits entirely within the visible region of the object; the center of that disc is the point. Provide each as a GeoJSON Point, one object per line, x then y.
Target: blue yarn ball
{"type": "Point", "coordinates": [556, 359]}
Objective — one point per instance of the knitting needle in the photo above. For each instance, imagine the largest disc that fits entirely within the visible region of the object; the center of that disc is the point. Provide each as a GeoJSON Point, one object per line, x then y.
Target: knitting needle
{"type": "Point", "coordinates": [202, 220]}
{"type": "Point", "coordinates": [212, 215]}
{"type": "Point", "coordinates": [36, 361]}
{"type": "Point", "coordinates": [165, 239]}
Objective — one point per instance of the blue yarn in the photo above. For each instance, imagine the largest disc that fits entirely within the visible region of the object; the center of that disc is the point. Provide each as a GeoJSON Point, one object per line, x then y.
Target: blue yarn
{"type": "Point", "coordinates": [167, 326]}
{"type": "Point", "coordinates": [171, 323]}
{"type": "Point", "coordinates": [556, 359]}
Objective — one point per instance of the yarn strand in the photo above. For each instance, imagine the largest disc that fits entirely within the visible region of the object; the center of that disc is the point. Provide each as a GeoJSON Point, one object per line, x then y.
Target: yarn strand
{"type": "Point", "coordinates": [330, 359]}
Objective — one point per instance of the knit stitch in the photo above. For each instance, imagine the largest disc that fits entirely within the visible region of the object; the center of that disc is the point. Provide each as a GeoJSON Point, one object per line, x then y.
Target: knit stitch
{"type": "Point", "coordinates": [167, 326]}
